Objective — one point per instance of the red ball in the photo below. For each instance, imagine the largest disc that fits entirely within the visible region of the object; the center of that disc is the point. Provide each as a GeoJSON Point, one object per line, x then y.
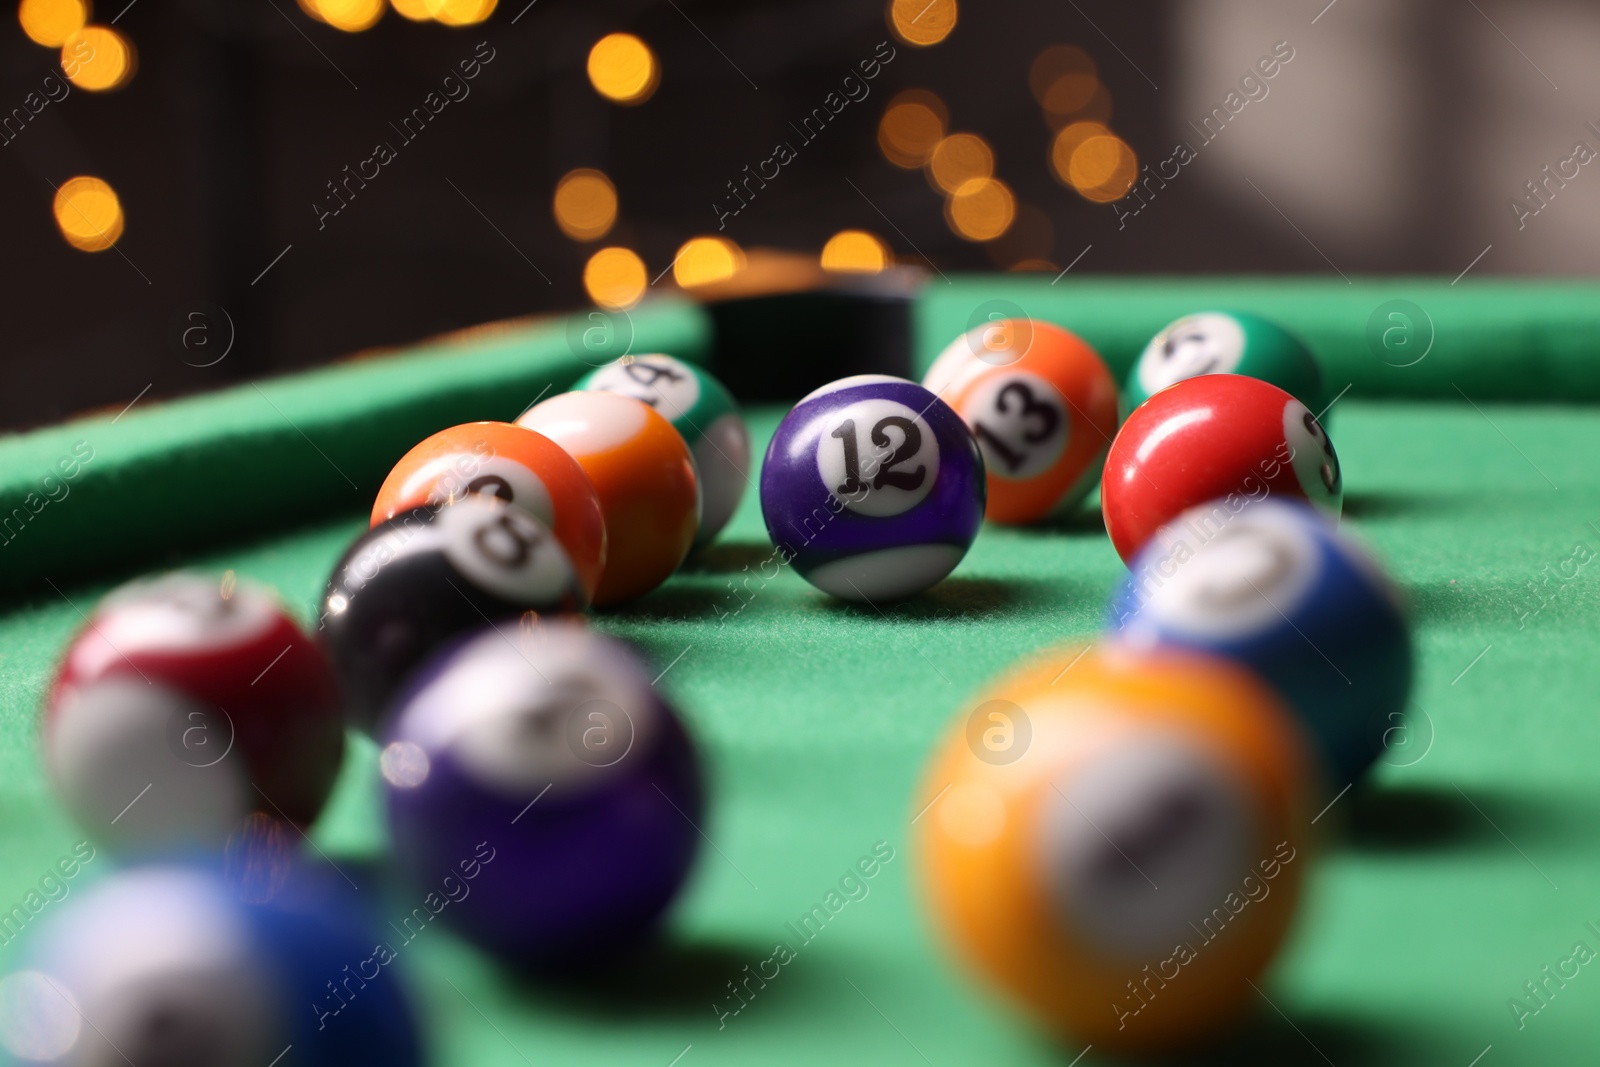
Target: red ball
{"type": "Point", "coordinates": [183, 708]}
{"type": "Point", "coordinates": [1219, 437]}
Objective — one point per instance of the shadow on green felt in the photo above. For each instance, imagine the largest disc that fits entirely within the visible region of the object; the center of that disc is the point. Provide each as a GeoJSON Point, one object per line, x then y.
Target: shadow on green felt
{"type": "Point", "coordinates": [1268, 1038]}
{"type": "Point", "coordinates": [681, 601]}
{"type": "Point", "coordinates": [956, 597]}
{"type": "Point", "coordinates": [1085, 520]}
{"type": "Point", "coordinates": [1379, 504]}
{"type": "Point", "coordinates": [1421, 816]}
{"type": "Point", "coordinates": [671, 977]}
{"type": "Point", "coordinates": [961, 597]}
{"type": "Point", "coordinates": [730, 557]}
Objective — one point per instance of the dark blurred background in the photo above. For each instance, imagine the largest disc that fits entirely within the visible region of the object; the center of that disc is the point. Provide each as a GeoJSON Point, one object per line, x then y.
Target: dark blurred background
{"type": "Point", "coordinates": [1390, 137]}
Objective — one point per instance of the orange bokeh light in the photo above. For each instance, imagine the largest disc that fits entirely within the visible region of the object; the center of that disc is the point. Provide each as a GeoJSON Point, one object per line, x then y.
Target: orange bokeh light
{"type": "Point", "coordinates": [855, 252]}
{"type": "Point", "coordinates": [912, 126]}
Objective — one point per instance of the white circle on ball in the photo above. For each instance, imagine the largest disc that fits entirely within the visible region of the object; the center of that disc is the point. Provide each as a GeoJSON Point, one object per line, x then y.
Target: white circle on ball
{"type": "Point", "coordinates": [505, 551]}
{"type": "Point", "coordinates": [1141, 845]}
{"type": "Point", "coordinates": [115, 753]}
{"type": "Point", "coordinates": [468, 474]}
{"type": "Point", "coordinates": [1316, 466]}
{"type": "Point", "coordinates": [666, 384]}
{"type": "Point", "coordinates": [878, 457]}
{"type": "Point", "coordinates": [1207, 343]}
{"type": "Point", "coordinates": [1221, 574]}
{"type": "Point", "coordinates": [1020, 421]}
{"type": "Point", "coordinates": [587, 423]}
{"type": "Point", "coordinates": [964, 358]}
{"type": "Point", "coordinates": [505, 708]}
{"type": "Point", "coordinates": [948, 365]}
{"type": "Point", "coordinates": [167, 970]}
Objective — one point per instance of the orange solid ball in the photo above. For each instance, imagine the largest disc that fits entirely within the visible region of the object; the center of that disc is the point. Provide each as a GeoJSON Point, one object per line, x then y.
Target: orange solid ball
{"type": "Point", "coordinates": [515, 464]}
{"type": "Point", "coordinates": [644, 474]}
{"type": "Point", "coordinates": [1117, 841]}
{"type": "Point", "coordinates": [1043, 406]}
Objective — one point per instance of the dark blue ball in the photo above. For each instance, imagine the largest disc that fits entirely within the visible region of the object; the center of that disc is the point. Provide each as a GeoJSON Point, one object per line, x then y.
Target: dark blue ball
{"type": "Point", "coordinates": [343, 976]}
{"type": "Point", "coordinates": [1273, 586]}
{"type": "Point", "coordinates": [186, 964]}
{"type": "Point", "coordinates": [873, 488]}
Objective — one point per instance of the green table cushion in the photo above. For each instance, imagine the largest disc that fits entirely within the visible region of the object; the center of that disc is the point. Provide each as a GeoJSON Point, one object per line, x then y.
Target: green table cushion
{"type": "Point", "coordinates": [1536, 339]}
{"type": "Point", "coordinates": [110, 490]}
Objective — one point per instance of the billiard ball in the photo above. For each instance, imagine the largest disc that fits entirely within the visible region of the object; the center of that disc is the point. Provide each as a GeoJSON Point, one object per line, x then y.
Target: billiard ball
{"type": "Point", "coordinates": [704, 412]}
{"type": "Point", "coordinates": [1043, 407]}
{"type": "Point", "coordinates": [1225, 342]}
{"type": "Point", "coordinates": [408, 585]}
{"type": "Point", "coordinates": [1129, 861]}
{"type": "Point", "coordinates": [165, 964]}
{"type": "Point", "coordinates": [1274, 588]}
{"type": "Point", "coordinates": [643, 472]}
{"type": "Point", "coordinates": [546, 753]}
{"type": "Point", "coordinates": [515, 464]}
{"type": "Point", "coordinates": [873, 488]}
{"type": "Point", "coordinates": [184, 706]}
{"type": "Point", "coordinates": [1218, 436]}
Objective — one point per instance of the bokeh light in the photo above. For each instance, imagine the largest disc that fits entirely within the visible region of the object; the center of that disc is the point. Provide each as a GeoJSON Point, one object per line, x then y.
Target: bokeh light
{"type": "Point", "coordinates": [922, 22]}
{"type": "Point", "coordinates": [623, 69]}
{"type": "Point", "coordinates": [1071, 94]}
{"type": "Point", "coordinates": [1067, 142]}
{"type": "Point", "coordinates": [460, 12]}
{"type": "Point", "coordinates": [1097, 109]}
{"type": "Point", "coordinates": [1030, 237]}
{"type": "Point", "coordinates": [1103, 168]}
{"type": "Point", "coordinates": [855, 252]}
{"type": "Point", "coordinates": [585, 205]}
{"type": "Point", "coordinates": [97, 58]}
{"type": "Point", "coordinates": [1058, 62]}
{"type": "Point", "coordinates": [89, 214]}
{"type": "Point", "coordinates": [415, 10]}
{"type": "Point", "coordinates": [615, 278]}
{"type": "Point", "coordinates": [981, 210]}
{"type": "Point", "coordinates": [1027, 266]}
{"type": "Point", "coordinates": [703, 260]}
{"type": "Point", "coordinates": [52, 22]}
{"type": "Point", "coordinates": [912, 126]}
{"type": "Point", "coordinates": [351, 16]}
{"type": "Point", "coordinates": [1065, 81]}
{"type": "Point", "coordinates": [958, 159]}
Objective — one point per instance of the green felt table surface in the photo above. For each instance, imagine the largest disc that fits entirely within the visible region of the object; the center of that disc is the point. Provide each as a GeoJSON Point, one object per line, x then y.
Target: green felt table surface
{"type": "Point", "coordinates": [1468, 862]}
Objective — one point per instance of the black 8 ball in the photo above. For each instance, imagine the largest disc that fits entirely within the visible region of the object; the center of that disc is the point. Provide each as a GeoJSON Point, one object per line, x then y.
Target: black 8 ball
{"type": "Point", "coordinates": [409, 585]}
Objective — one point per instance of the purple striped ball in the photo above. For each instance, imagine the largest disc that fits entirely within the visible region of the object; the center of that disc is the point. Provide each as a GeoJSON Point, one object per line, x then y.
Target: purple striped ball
{"type": "Point", "coordinates": [543, 766]}
{"type": "Point", "coordinates": [873, 488]}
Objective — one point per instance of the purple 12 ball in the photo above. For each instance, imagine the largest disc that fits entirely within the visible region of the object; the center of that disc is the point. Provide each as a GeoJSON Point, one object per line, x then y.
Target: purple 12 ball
{"type": "Point", "coordinates": [546, 759]}
{"type": "Point", "coordinates": [874, 488]}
